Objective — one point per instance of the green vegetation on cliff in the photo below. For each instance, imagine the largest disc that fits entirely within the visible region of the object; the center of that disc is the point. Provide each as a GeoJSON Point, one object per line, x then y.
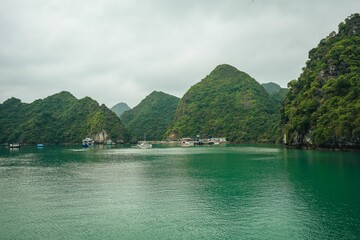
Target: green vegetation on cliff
{"type": "Point", "coordinates": [60, 118]}
{"type": "Point", "coordinates": [151, 117]}
{"type": "Point", "coordinates": [227, 103]}
{"type": "Point", "coordinates": [322, 107]}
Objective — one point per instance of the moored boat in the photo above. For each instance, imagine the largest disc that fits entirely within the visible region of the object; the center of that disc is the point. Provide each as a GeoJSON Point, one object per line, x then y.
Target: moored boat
{"type": "Point", "coordinates": [87, 142]}
{"type": "Point", "coordinates": [15, 145]}
{"type": "Point", "coordinates": [144, 144]}
{"type": "Point", "coordinates": [217, 141]}
{"type": "Point", "coordinates": [187, 142]}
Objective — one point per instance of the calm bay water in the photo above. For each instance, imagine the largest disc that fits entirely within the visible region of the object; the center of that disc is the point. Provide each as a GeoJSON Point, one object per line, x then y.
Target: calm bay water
{"type": "Point", "coordinates": [225, 192]}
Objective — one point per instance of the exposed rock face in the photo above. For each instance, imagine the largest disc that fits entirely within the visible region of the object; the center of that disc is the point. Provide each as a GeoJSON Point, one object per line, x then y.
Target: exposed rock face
{"type": "Point", "coordinates": [284, 137]}
{"type": "Point", "coordinates": [101, 137]}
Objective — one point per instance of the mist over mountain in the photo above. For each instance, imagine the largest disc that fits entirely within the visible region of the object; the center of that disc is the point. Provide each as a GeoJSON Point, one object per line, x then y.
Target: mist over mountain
{"type": "Point", "coordinates": [277, 92]}
{"type": "Point", "coordinates": [120, 108]}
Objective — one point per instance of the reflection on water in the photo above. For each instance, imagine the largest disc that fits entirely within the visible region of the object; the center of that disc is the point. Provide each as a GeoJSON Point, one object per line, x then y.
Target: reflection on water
{"type": "Point", "coordinates": [231, 192]}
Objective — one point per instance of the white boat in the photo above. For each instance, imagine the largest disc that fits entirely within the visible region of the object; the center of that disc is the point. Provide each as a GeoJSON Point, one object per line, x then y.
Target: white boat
{"type": "Point", "coordinates": [144, 145]}
{"type": "Point", "coordinates": [187, 142]}
{"type": "Point", "coordinates": [87, 142]}
{"type": "Point", "coordinates": [15, 145]}
{"type": "Point", "coordinates": [217, 141]}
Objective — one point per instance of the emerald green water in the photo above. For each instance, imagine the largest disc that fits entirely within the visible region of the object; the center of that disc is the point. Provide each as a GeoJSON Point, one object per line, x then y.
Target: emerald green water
{"type": "Point", "coordinates": [226, 192]}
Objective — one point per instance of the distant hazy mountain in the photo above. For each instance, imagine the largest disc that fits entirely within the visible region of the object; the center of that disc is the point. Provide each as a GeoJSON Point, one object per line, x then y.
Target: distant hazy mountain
{"type": "Point", "coordinates": [271, 87]}
{"type": "Point", "coordinates": [119, 108]}
{"type": "Point", "coordinates": [277, 92]}
{"type": "Point", "coordinates": [60, 118]}
{"type": "Point", "coordinates": [151, 117]}
{"type": "Point", "coordinates": [227, 103]}
{"type": "Point", "coordinates": [322, 108]}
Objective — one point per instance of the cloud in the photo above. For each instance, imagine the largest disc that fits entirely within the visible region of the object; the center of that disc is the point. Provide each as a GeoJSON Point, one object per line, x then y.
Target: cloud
{"type": "Point", "coordinates": [117, 51]}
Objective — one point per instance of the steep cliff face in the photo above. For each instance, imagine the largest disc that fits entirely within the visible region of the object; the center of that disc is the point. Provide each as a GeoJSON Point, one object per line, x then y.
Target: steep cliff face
{"type": "Point", "coordinates": [102, 137]}
{"type": "Point", "coordinates": [227, 103]}
{"type": "Point", "coordinates": [322, 108]}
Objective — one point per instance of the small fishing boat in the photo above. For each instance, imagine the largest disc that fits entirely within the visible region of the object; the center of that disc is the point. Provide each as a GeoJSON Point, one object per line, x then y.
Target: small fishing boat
{"type": "Point", "coordinates": [87, 142]}
{"type": "Point", "coordinates": [144, 144]}
{"type": "Point", "coordinates": [15, 145]}
{"type": "Point", "coordinates": [187, 142]}
{"type": "Point", "coordinates": [40, 145]}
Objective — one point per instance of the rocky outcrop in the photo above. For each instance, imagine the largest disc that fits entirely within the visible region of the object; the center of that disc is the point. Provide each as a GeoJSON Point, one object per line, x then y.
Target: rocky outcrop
{"type": "Point", "coordinates": [101, 137]}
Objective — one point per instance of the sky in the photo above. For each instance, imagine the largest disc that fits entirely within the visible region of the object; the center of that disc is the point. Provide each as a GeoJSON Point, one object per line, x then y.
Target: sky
{"type": "Point", "coordinates": [121, 50]}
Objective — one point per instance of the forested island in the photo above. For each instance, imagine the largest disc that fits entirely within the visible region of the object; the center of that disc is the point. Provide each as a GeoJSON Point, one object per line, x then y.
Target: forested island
{"type": "Point", "coordinates": [321, 109]}
{"type": "Point", "coordinates": [58, 119]}
{"type": "Point", "coordinates": [227, 103]}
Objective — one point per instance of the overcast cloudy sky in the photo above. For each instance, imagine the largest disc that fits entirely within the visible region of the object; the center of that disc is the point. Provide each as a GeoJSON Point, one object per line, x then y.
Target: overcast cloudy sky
{"type": "Point", "coordinates": [121, 50]}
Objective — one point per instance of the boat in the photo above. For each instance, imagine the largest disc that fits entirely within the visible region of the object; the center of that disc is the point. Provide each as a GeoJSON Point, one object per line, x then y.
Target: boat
{"type": "Point", "coordinates": [144, 144]}
{"type": "Point", "coordinates": [15, 145]}
{"type": "Point", "coordinates": [18, 143]}
{"type": "Point", "coordinates": [87, 142]}
{"type": "Point", "coordinates": [187, 142]}
{"type": "Point", "coordinates": [217, 141]}
{"type": "Point", "coordinates": [40, 145]}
